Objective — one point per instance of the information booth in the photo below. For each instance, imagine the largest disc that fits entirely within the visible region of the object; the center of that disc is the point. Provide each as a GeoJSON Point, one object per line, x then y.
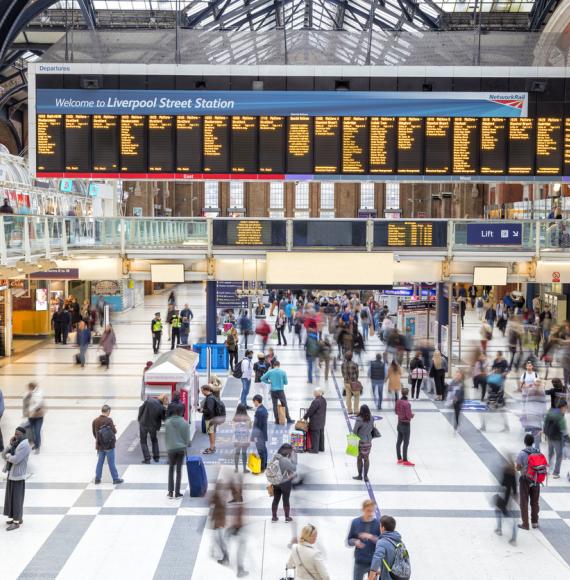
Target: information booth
{"type": "Point", "coordinates": [175, 371]}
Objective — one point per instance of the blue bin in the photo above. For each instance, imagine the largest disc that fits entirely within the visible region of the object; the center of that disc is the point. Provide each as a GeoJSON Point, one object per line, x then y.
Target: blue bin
{"type": "Point", "coordinates": [220, 359]}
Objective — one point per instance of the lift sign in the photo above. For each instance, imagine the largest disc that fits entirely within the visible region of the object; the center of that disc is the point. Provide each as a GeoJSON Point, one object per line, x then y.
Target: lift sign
{"type": "Point", "coordinates": [494, 234]}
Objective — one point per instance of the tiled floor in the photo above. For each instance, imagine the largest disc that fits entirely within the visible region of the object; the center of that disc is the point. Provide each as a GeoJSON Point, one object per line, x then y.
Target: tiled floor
{"type": "Point", "coordinates": [74, 529]}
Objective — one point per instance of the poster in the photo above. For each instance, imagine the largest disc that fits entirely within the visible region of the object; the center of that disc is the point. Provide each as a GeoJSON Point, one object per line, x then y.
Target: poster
{"type": "Point", "coordinates": [41, 299]}
{"type": "Point", "coordinates": [410, 325]}
{"type": "Point", "coordinates": [422, 324]}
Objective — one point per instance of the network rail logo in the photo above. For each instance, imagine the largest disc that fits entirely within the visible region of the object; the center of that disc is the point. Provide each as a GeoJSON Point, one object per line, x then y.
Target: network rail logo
{"type": "Point", "coordinates": [514, 100]}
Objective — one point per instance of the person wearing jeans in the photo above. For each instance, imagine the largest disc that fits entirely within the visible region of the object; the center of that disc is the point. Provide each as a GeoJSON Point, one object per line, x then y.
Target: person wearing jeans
{"type": "Point", "coordinates": [246, 374]}
{"type": "Point", "coordinates": [177, 437]}
{"type": "Point", "coordinates": [556, 431]}
{"type": "Point", "coordinates": [405, 415]}
{"type": "Point", "coordinates": [277, 378]}
{"type": "Point", "coordinates": [105, 445]}
{"type": "Point", "coordinates": [34, 410]}
{"type": "Point", "coordinates": [363, 535]}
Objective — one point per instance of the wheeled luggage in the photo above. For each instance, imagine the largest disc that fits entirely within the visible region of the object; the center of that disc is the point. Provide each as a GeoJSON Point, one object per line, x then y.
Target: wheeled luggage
{"type": "Point", "coordinates": [197, 477]}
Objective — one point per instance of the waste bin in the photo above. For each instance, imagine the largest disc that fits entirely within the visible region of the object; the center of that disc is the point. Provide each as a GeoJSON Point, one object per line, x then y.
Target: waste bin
{"type": "Point", "coordinates": [219, 357]}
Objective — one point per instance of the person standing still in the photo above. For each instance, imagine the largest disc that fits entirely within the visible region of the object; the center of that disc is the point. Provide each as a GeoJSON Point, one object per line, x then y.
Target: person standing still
{"type": "Point", "coordinates": [246, 374]}
{"type": "Point", "coordinates": [83, 341]}
{"type": "Point", "coordinates": [105, 432]}
{"type": "Point", "coordinates": [362, 536]}
{"type": "Point", "coordinates": [528, 490]}
{"type": "Point", "coordinates": [2, 407]}
{"type": "Point", "coordinates": [349, 371]}
{"type": "Point", "coordinates": [177, 439]}
{"type": "Point", "coordinates": [156, 329]}
{"type": "Point", "coordinates": [317, 416]}
{"type": "Point", "coordinates": [277, 379]}
{"type": "Point", "coordinates": [16, 456]}
{"type": "Point", "coordinates": [232, 344]}
{"type": "Point", "coordinates": [363, 428]}
{"type": "Point", "coordinates": [34, 410]}
{"type": "Point", "coordinates": [404, 412]}
{"type": "Point", "coordinates": [259, 430]}
{"type": "Point", "coordinates": [150, 417]}
{"type": "Point", "coordinates": [175, 325]}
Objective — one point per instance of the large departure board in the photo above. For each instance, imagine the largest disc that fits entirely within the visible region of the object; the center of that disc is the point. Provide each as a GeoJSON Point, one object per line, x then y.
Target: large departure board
{"type": "Point", "coordinates": [327, 144]}
{"type": "Point", "coordinates": [189, 139]}
{"type": "Point", "coordinates": [549, 151]}
{"type": "Point", "coordinates": [566, 169]}
{"type": "Point", "coordinates": [354, 145]}
{"type": "Point", "coordinates": [437, 145]}
{"type": "Point", "coordinates": [493, 146]}
{"type": "Point", "coordinates": [77, 139]}
{"type": "Point", "coordinates": [465, 146]}
{"type": "Point", "coordinates": [49, 143]}
{"type": "Point", "coordinates": [244, 144]}
{"type": "Point", "coordinates": [105, 143]}
{"type": "Point", "coordinates": [133, 144]}
{"type": "Point", "coordinates": [410, 234]}
{"type": "Point", "coordinates": [521, 146]}
{"type": "Point", "coordinates": [216, 141]}
{"type": "Point", "coordinates": [249, 232]}
{"type": "Point", "coordinates": [383, 145]}
{"type": "Point", "coordinates": [300, 145]}
{"type": "Point", "coordinates": [161, 129]}
{"type": "Point", "coordinates": [410, 145]}
{"type": "Point", "coordinates": [325, 233]}
{"type": "Point", "coordinates": [272, 144]}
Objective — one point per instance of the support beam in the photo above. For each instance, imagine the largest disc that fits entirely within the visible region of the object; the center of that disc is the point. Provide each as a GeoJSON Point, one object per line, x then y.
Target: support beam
{"type": "Point", "coordinates": [88, 12]}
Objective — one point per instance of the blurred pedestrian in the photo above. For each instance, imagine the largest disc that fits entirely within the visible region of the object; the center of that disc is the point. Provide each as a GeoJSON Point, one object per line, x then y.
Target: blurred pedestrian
{"type": "Point", "coordinates": [325, 353]}
{"type": "Point", "coordinates": [403, 410]}
{"type": "Point", "coordinates": [480, 371]}
{"type": "Point", "coordinates": [34, 409]}
{"type": "Point", "coordinates": [306, 559]}
{"type": "Point", "coordinates": [534, 402]}
{"type": "Point", "coordinates": [363, 534]}
{"type": "Point", "coordinates": [16, 456]}
{"type": "Point", "coordinates": [2, 408]}
{"type": "Point", "coordinates": [457, 395]}
{"type": "Point", "coordinates": [558, 393]}
{"type": "Point", "coordinates": [485, 333]}
{"type": "Point", "coordinates": [556, 432]}
{"type": "Point", "coordinates": [394, 378]}
{"type": "Point", "coordinates": [504, 503]}
{"type": "Point", "coordinates": [218, 519]}
{"type": "Point", "coordinates": [349, 370]}
{"type": "Point", "coordinates": [363, 427]}
{"type": "Point", "coordinates": [236, 530]}
{"type": "Point", "coordinates": [242, 436]}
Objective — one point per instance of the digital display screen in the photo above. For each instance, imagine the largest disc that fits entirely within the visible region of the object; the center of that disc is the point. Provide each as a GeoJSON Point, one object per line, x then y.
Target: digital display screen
{"type": "Point", "coordinates": [437, 145]}
{"type": "Point", "coordinates": [49, 143]}
{"type": "Point", "coordinates": [493, 146]}
{"type": "Point", "coordinates": [244, 144]}
{"type": "Point", "coordinates": [521, 146]}
{"type": "Point", "coordinates": [549, 152]}
{"type": "Point", "coordinates": [272, 144]}
{"type": "Point", "coordinates": [249, 232]}
{"type": "Point", "coordinates": [465, 146]}
{"type": "Point", "coordinates": [105, 143]}
{"type": "Point", "coordinates": [383, 145]}
{"type": "Point", "coordinates": [354, 145]}
{"type": "Point", "coordinates": [77, 139]}
{"type": "Point", "coordinates": [410, 145]}
{"type": "Point", "coordinates": [300, 145]}
{"type": "Point", "coordinates": [327, 144]}
{"type": "Point", "coordinates": [410, 234]}
{"type": "Point", "coordinates": [189, 139]}
{"type": "Point", "coordinates": [161, 131]}
{"type": "Point", "coordinates": [327, 233]}
{"type": "Point", "coordinates": [216, 141]}
{"type": "Point", "coordinates": [133, 144]}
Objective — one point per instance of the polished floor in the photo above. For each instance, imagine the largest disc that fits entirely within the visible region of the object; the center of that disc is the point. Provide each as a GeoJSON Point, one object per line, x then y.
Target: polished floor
{"type": "Point", "coordinates": [74, 529]}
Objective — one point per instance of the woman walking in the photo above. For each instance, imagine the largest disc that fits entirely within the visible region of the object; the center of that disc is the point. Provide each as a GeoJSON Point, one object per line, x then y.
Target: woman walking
{"type": "Point", "coordinates": [306, 559]}
{"type": "Point", "coordinates": [280, 473]}
{"type": "Point", "coordinates": [280, 323]}
{"type": "Point", "coordinates": [107, 344]}
{"type": "Point", "coordinates": [363, 428]}
{"type": "Point", "coordinates": [437, 373]}
{"type": "Point", "coordinates": [417, 373]}
{"type": "Point", "coordinates": [242, 432]}
{"type": "Point", "coordinates": [16, 455]}
{"type": "Point", "coordinates": [394, 378]}
{"type": "Point", "coordinates": [405, 416]}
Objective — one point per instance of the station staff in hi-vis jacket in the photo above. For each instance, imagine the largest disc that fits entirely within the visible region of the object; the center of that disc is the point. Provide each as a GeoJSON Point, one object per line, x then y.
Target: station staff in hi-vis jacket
{"type": "Point", "coordinates": [156, 329]}
{"type": "Point", "coordinates": [175, 324]}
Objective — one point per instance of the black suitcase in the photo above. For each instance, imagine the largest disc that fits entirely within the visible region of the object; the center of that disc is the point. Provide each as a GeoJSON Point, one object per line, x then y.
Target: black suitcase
{"type": "Point", "coordinates": [96, 338]}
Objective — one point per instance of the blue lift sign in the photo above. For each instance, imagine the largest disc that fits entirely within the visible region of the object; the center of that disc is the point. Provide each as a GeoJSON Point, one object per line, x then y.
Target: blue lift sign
{"type": "Point", "coordinates": [494, 234]}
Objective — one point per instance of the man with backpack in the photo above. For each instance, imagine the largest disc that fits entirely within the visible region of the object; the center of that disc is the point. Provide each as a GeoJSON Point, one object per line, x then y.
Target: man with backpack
{"type": "Point", "coordinates": [214, 412]}
{"type": "Point", "coordinates": [557, 433]}
{"type": "Point", "coordinates": [533, 467]}
{"type": "Point", "coordinates": [244, 372]}
{"type": "Point", "coordinates": [391, 559]}
{"type": "Point", "coordinates": [105, 432]}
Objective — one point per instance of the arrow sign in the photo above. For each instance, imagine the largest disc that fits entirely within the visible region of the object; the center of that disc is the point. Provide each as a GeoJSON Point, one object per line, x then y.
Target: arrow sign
{"type": "Point", "coordinates": [494, 234]}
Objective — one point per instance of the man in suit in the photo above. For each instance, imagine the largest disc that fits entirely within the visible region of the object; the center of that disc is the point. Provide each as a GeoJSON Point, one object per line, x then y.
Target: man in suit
{"type": "Point", "coordinates": [259, 431]}
{"type": "Point", "coordinates": [317, 416]}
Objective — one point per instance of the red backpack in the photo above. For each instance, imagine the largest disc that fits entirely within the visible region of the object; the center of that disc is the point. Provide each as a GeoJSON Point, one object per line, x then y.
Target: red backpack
{"type": "Point", "coordinates": [537, 467]}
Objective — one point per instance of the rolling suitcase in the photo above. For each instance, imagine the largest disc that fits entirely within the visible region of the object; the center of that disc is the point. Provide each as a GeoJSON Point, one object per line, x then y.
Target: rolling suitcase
{"type": "Point", "coordinates": [197, 477]}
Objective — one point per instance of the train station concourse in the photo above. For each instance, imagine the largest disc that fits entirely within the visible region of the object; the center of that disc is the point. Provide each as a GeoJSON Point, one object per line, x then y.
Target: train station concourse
{"type": "Point", "coordinates": [284, 290]}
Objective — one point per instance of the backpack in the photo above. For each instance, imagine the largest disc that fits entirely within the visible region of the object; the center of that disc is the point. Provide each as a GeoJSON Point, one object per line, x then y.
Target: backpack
{"type": "Point", "coordinates": [401, 568]}
{"type": "Point", "coordinates": [273, 472]}
{"type": "Point", "coordinates": [537, 467]}
{"type": "Point", "coordinates": [219, 410]}
{"type": "Point", "coordinates": [105, 438]}
{"type": "Point", "coordinates": [238, 371]}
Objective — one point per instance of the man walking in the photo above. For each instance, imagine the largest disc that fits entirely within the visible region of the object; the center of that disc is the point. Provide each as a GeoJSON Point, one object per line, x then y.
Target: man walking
{"type": "Point", "coordinates": [528, 489]}
{"type": "Point", "coordinates": [156, 329]}
{"type": "Point", "coordinates": [349, 371]}
{"type": "Point", "coordinates": [277, 379]}
{"type": "Point", "coordinates": [246, 374]}
{"type": "Point", "coordinates": [151, 415]}
{"type": "Point", "coordinates": [317, 416]}
{"type": "Point", "coordinates": [377, 378]}
{"type": "Point", "coordinates": [363, 535]}
{"type": "Point", "coordinates": [259, 430]}
{"type": "Point", "coordinates": [83, 341]}
{"type": "Point", "coordinates": [177, 436]}
{"type": "Point", "coordinates": [105, 432]}
{"type": "Point", "coordinates": [557, 433]}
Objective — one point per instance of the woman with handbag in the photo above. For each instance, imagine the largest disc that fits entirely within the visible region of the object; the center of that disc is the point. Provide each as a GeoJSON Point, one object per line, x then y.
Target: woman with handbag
{"type": "Point", "coordinates": [364, 428]}
{"type": "Point", "coordinates": [306, 559]}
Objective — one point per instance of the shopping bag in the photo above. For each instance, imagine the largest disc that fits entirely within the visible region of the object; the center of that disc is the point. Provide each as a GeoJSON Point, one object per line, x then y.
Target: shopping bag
{"type": "Point", "coordinates": [274, 335]}
{"type": "Point", "coordinates": [281, 414]}
{"type": "Point", "coordinates": [352, 444]}
{"type": "Point", "coordinates": [254, 463]}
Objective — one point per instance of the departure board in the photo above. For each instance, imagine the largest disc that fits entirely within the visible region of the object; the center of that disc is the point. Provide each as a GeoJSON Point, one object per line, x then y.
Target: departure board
{"type": "Point", "coordinates": [77, 139]}
{"type": "Point", "coordinates": [566, 146]}
{"type": "Point", "coordinates": [244, 144]}
{"type": "Point", "coordinates": [327, 144]}
{"type": "Point", "coordinates": [437, 145]}
{"type": "Point", "coordinates": [466, 146]}
{"type": "Point", "coordinates": [383, 145]}
{"type": "Point", "coordinates": [161, 130]}
{"type": "Point", "coordinates": [354, 145]}
{"type": "Point", "coordinates": [133, 144]}
{"type": "Point", "coordinates": [216, 142]}
{"type": "Point", "coordinates": [300, 145]}
{"type": "Point", "coordinates": [326, 233]}
{"type": "Point", "coordinates": [105, 143]}
{"type": "Point", "coordinates": [549, 141]}
{"type": "Point", "coordinates": [521, 146]}
{"type": "Point", "coordinates": [493, 146]}
{"type": "Point", "coordinates": [49, 143]}
{"type": "Point", "coordinates": [410, 145]}
{"type": "Point", "coordinates": [410, 234]}
{"type": "Point", "coordinates": [272, 144]}
{"type": "Point", "coordinates": [249, 232]}
{"type": "Point", "coordinates": [189, 139]}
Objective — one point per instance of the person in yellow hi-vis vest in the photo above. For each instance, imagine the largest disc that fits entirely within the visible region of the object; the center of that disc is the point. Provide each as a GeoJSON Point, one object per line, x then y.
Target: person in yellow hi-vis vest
{"type": "Point", "coordinates": [175, 324]}
{"type": "Point", "coordinates": [156, 329]}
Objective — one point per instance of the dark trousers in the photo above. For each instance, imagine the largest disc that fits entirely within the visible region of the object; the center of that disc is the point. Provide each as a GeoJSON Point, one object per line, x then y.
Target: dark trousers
{"type": "Point", "coordinates": [279, 396]}
{"type": "Point", "coordinates": [156, 336]}
{"type": "Point", "coordinates": [175, 459]}
{"type": "Point", "coordinates": [36, 427]}
{"type": "Point", "coordinates": [281, 491]}
{"type": "Point", "coordinates": [1, 440]}
{"type": "Point", "coordinates": [261, 447]}
{"type": "Point", "coordinates": [281, 335]}
{"type": "Point", "coordinates": [14, 499]}
{"type": "Point", "coordinates": [416, 384]}
{"type": "Point", "coordinates": [527, 492]}
{"type": "Point", "coordinates": [57, 333]}
{"type": "Point", "coordinates": [317, 440]}
{"type": "Point", "coordinates": [480, 381]}
{"type": "Point", "coordinates": [144, 433]}
{"type": "Point", "coordinates": [233, 358]}
{"type": "Point", "coordinates": [64, 334]}
{"type": "Point", "coordinates": [174, 338]}
{"type": "Point", "coordinates": [403, 437]}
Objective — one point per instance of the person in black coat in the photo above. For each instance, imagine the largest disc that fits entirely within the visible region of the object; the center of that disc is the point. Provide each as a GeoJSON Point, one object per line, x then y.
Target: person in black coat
{"type": "Point", "coordinates": [151, 416]}
{"type": "Point", "coordinates": [259, 430]}
{"type": "Point", "coordinates": [317, 416]}
{"type": "Point", "coordinates": [56, 325]}
{"type": "Point", "coordinates": [65, 324]}
{"type": "Point", "coordinates": [174, 404]}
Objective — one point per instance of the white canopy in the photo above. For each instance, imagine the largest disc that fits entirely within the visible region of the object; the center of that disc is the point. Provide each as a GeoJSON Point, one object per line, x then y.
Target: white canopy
{"type": "Point", "coordinates": [175, 366]}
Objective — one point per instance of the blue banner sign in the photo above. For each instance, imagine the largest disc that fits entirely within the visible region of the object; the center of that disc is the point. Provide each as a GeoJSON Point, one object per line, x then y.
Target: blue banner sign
{"type": "Point", "coordinates": [494, 234]}
{"type": "Point", "coordinates": [285, 103]}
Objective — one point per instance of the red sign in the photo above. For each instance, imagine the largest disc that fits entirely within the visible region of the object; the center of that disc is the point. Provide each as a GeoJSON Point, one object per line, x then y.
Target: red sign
{"type": "Point", "coordinates": [555, 276]}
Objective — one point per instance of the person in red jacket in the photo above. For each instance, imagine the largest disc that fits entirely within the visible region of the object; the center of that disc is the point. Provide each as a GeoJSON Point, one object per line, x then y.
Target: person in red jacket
{"type": "Point", "coordinates": [264, 330]}
{"type": "Point", "coordinates": [405, 415]}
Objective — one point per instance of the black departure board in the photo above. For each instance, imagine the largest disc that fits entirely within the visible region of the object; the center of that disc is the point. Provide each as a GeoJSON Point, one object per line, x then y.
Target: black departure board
{"type": "Point", "coordinates": [466, 146]}
{"type": "Point", "coordinates": [549, 142]}
{"type": "Point", "coordinates": [493, 146]}
{"type": "Point", "coordinates": [49, 143]}
{"type": "Point", "coordinates": [105, 143]}
{"type": "Point", "coordinates": [383, 145]}
{"type": "Point", "coordinates": [272, 144]}
{"type": "Point", "coordinates": [410, 145]}
{"type": "Point", "coordinates": [327, 144]}
{"type": "Point", "coordinates": [521, 146]}
{"type": "Point", "coordinates": [189, 139]}
{"type": "Point", "coordinates": [300, 145]}
{"type": "Point", "coordinates": [327, 233]}
{"type": "Point", "coordinates": [216, 144]}
{"type": "Point", "coordinates": [249, 233]}
{"type": "Point", "coordinates": [354, 145]}
{"type": "Point", "coordinates": [566, 169]}
{"type": "Point", "coordinates": [161, 131]}
{"type": "Point", "coordinates": [437, 145]}
{"type": "Point", "coordinates": [244, 144]}
{"type": "Point", "coordinates": [410, 234]}
{"type": "Point", "coordinates": [77, 139]}
{"type": "Point", "coordinates": [133, 144]}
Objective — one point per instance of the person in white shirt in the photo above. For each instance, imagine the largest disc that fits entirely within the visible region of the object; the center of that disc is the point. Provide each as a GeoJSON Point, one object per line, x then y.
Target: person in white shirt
{"type": "Point", "coordinates": [246, 374]}
{"type": "Point", "coordinates": [528, 378]}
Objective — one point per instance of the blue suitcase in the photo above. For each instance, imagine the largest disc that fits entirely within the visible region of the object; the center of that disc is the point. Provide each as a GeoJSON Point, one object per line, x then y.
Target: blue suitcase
{"type": "Point", "coordinates": [197, 477]}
